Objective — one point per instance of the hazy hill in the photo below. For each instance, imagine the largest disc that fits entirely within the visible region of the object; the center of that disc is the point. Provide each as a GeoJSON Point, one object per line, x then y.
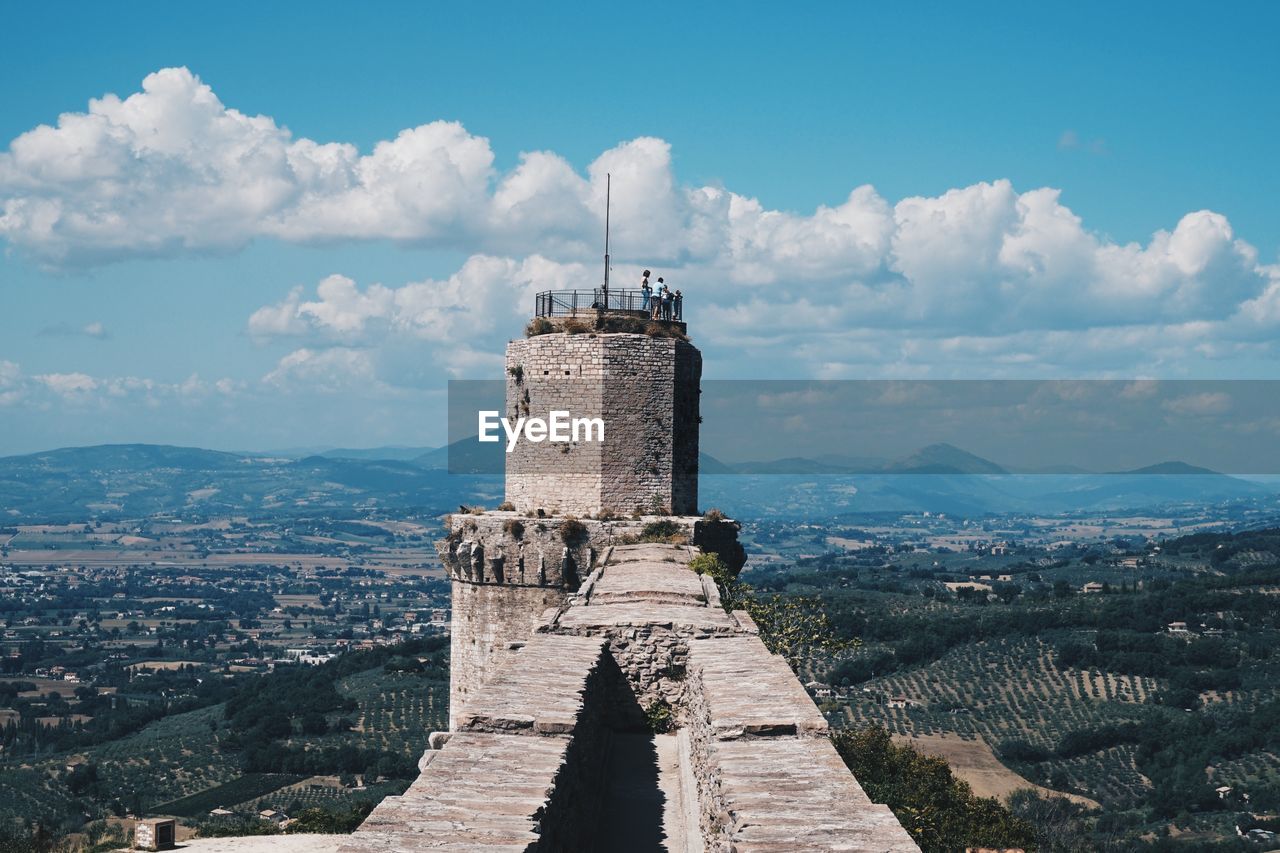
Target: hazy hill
{"type": "Point", "coordinates": [943, 459]}
{"type": "Point", "coordinates": [137, 479]}
{"type": "Point", "coordinates": [393, 452]}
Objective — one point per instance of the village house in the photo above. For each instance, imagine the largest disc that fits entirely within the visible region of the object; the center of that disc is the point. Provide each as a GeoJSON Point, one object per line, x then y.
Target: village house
{"type": "Point", "coordinates": [273, 816]}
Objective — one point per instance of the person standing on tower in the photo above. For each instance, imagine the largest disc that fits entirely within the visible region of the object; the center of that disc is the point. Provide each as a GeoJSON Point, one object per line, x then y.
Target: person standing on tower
{"type": "Point", "coordinates": [645, 291]}
{"type": "Point", "coordinates": [657, 300]}
{"type": "Point", "coordinates": [678, 305]}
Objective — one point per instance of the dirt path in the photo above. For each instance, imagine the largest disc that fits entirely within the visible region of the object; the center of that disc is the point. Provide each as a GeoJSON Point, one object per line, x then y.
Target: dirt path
{"type": "Point", "coordinates": [974, 762]}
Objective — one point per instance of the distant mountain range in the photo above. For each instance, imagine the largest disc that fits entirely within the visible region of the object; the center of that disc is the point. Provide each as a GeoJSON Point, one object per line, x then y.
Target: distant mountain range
{"type": "Point", "coordinates": [139, 479]}
{"type": "Point", "coordinates": [943, 478]}
{"type": "Point", "coordinates": [933, 459]}
{"type": "Point", "coordinates": [133, 480]}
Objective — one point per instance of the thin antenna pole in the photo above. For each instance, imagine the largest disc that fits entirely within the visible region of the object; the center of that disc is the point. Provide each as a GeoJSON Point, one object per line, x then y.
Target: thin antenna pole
{"type": "Point", "coordinates": [608, 187]}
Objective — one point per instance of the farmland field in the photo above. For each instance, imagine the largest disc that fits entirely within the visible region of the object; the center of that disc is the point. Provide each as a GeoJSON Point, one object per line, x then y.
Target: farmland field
{"type": "Point", "coordinates": [1151, 702]}
{"type": "Point", "coordinates": [239, 790]}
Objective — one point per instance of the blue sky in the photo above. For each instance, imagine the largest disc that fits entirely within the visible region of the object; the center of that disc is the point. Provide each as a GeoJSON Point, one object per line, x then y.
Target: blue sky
{"type": "Point", "coordinates": [1025, 161]}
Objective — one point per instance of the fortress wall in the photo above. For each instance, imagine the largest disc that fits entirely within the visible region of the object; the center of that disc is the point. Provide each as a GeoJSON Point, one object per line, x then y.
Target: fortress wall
{"type": "Point", "coordinates": [506, 577]}
{"type": "Point", "coordinates": [527, 770]}
{"type": "Point", "coordinates": [511, 549]}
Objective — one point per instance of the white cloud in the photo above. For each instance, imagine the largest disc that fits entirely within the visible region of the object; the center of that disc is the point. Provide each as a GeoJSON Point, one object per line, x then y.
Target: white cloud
{"type": "Point", "coordinates": [171, 169]}
{"type": "Point", "coordinates": [11, 386]}
{"type": "Point", "coordinates": [1205, 403]}
{"type": "Point", "coordinates": [64, 329]}
{"type": "Point", "coordinates": [84, 389]}
{"type": "Point", "coordinates": [456, 322]}
{"type": "Point", "coordinates": [328, 370]}
{"type": "Point", "coordinates": [982, 277]}
{"type": "Point", "coordinates": [1070, 141]}
{"type": "Point", "coordinates": [69, 385]}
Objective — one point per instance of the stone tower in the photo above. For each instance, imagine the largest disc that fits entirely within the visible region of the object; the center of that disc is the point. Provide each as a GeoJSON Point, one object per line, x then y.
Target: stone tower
{"type": "Point", "coordinates": [645, 391]}
{"type": "Point", "coordinates": [565, 502]}
{"type": "Point", "coordinates": [603, 695]}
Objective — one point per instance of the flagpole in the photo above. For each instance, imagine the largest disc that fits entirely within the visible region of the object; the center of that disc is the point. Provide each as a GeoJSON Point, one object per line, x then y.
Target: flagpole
{"type": "Point", "coordinates": [608, 186]}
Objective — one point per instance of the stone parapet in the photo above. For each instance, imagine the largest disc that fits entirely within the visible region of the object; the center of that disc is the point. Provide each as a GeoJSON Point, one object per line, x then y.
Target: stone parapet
{"type": "Point", "coordinates": [508, 569]}
{"type": "Point", "coordinates": [508, 548]}
{"type": "Point", "coordinates": [540, 691]}
{"type": "Point", "coordinates": [776, 704]}
{"type": "Point", "coordinates": [482, 792]}
{"type": "Point", "coordinates": [793, 794]}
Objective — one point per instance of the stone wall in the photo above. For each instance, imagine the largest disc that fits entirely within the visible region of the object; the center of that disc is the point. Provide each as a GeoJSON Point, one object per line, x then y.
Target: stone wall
{"type": "Point", "coordinates": [644, 388]}
{"type": "Point", "coordinates": [508, 569]}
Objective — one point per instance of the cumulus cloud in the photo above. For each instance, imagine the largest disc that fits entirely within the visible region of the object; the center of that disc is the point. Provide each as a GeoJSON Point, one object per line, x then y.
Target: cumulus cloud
{"type": "Point", "coordinates": [172, 169]}
{"type": "Point", "coordinates": [83, 389]}
{"type": "Point", "coordinates": [983, 275]}
{"type": "Point", "coordinates": [67, 330]}
{"type": "Point", "coordinates": [69, 385]}
{"type": "Point", "coordinates": [1205, 403]}
{"type": "Point", "coordinates": [1070, 140]}
{"type": "Point", "coordinates": [336, 369]}
{"type": "Point", "coordinates": [456, 320]}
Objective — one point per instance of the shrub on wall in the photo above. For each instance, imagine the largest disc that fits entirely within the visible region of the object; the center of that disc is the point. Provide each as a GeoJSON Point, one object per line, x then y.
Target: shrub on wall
{"type": "Point", "coordinates": [572, 531]}
{"type": "Point", "coordinates": [539, 326]}
{"type": "Point", "coordinates": [660, 531]}
{"type": "Point", "coordinates": [713, 566]}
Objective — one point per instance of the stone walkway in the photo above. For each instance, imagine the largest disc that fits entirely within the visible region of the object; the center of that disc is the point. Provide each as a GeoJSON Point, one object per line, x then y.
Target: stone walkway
{"type": "Point", "coordinates": [642, 811]}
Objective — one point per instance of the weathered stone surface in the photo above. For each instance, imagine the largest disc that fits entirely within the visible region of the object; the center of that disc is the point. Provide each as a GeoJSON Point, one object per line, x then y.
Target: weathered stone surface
{"type": "Point", "coordinates": [486, 621]}
{"type": "Point", "coordinates": [566, 642]}
{"type": "Point", "coordinates": [540, 689]}
{"type": "Point", "coordinates": [796, 794]}
{"type": "Point", "coordinates": [527, 768]}
{"type": "Point", "coordinates": [651, 573]}
{"type": "Point", "coordinates": [646, 391]}
{"type": "Point", "coordinates": [776, 703]}
{"type": "Point", "coordinates": [687, 619]}
{"type": "Point", "coordinates": [483, 792]}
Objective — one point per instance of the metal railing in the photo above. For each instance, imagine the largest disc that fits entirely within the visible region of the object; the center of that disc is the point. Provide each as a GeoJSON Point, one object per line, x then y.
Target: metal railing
{"type": "Point", "coordinates": [567, 303]}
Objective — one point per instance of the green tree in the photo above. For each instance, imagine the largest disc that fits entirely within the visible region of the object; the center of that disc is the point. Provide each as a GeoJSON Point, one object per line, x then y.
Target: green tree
{"type": "Point", "coordinates": [940, 811]}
